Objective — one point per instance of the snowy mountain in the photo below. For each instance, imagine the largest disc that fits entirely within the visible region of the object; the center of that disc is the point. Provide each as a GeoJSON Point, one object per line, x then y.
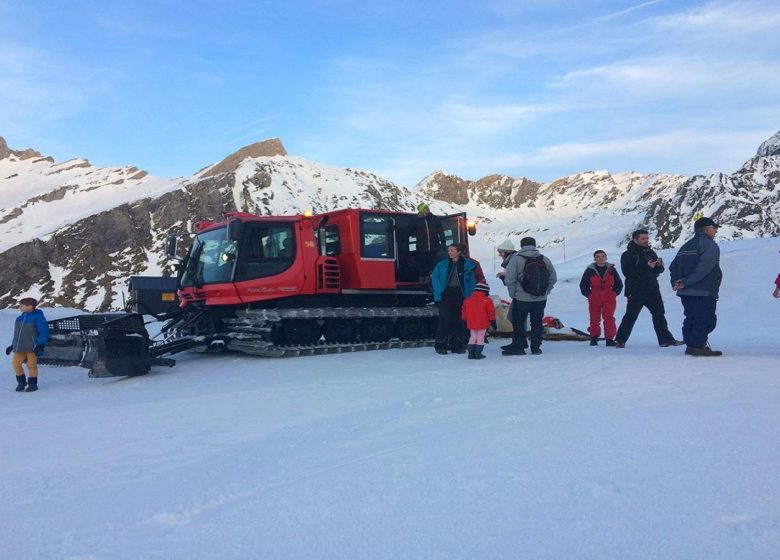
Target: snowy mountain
{"type": "Point", "coordinates": [72, 233]}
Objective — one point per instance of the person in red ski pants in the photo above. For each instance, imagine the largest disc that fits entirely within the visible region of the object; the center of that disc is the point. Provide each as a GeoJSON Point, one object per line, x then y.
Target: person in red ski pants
{"type": "Point", "coordinates": [601, 284]}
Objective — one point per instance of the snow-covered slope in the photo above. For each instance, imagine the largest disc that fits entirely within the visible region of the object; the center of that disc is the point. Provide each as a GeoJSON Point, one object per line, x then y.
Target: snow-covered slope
{"type": "Point", "coordinates": [38, 196]}
{"type": "Point", "coordinates": [591, 453]}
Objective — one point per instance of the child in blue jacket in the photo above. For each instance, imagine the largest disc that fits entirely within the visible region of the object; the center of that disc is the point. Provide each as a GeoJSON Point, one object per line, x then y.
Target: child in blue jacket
{"type": "Point", "coordinates": [31, 333]}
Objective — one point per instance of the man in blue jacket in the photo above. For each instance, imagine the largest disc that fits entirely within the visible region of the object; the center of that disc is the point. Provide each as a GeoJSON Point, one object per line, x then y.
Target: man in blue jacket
{"type": "Point", "coordinates": [696, 276]}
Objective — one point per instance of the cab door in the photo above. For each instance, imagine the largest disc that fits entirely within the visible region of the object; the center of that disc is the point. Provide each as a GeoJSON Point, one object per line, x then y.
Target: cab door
{"type": "Point", "coordinates": [454, 227]}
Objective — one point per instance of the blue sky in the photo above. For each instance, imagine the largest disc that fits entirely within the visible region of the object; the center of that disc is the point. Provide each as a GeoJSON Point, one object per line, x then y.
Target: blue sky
{"type": "Point", "coordinates": [400, 88]}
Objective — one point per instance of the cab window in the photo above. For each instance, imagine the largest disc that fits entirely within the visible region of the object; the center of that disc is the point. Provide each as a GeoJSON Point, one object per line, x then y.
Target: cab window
{"type": "Point", "coordinates": [376, 237]}
{"type": "Point", "coordinates": [267, 249]}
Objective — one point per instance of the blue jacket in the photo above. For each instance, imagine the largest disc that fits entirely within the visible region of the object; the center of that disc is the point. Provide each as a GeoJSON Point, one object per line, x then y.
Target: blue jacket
{"type": "Point", "coordinates": [697, 264]}
{"type": "Point", "coordinates": [441, 276]}
{"type": "Point", "coordinates": [30, 329]}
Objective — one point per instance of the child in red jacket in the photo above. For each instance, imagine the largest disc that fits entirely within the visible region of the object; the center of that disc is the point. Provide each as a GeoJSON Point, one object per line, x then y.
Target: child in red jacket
{"type": "Point", "coordinates": [479, 313]}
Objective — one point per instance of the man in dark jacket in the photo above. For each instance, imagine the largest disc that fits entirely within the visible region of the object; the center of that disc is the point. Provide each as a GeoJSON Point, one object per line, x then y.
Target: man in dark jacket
{"type": "Point", "coordinates": [429, 234]}
{"type": "Point", "coordinates": [641, 267]}
{"type": "Point", "coordinates": [696, 275]}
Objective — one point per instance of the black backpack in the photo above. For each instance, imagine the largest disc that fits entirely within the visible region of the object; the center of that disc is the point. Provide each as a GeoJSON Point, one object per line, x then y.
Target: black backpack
{"type": "Point", "coordinates": [536, 277]}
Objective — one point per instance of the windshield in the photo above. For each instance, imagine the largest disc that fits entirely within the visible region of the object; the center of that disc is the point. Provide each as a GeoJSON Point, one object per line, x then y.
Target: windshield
{"type": "Point", "coordinates": [211, 259]}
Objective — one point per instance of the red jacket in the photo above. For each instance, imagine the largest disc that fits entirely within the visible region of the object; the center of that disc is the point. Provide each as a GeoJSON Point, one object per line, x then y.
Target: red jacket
{"type": "Point", "coordinates": [593, 283]}
{"type": "Point", "coordinates": [478, 310]}
{"type": "Point", "coordinates": [777, 281]}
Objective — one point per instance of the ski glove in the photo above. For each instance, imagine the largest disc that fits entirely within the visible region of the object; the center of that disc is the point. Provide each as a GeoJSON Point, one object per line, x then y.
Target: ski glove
{"type": "Point", "coordinates": [494, 325]}
{"type": "Point", "coordinates": [39, 348]}
{"type": "Point", "coordinates": [9, 350]}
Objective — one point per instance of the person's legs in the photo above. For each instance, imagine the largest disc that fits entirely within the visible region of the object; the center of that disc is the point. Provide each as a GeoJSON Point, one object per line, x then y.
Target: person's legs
{"type": "Point", "coordinates": [594, 310]}
{"type": "Point", "coordinates": [656, 306]}
{"type": "Point", "coordinates": [536, 310]}
{"type": "Point", "coordinates": [17, 361]}
{"type": "Point", "coordinates": [700, 319]}
{"type": "Point", "coordinates": [687, 326]}
{"type": "Point", "coordinates": [448, 309]}
{"type": "Point", "coordinates": [710, 315]}
{"type": "Point", "coordinates": [608, 306]}
{"type": "Point", "coordinates": [519, 315]}
{"type": "Point", "coordinates": [633, 307]}
{"type": "Point", "coordinates": [480, 344]}
{"type": "Point", "coordinates": [457, 328]}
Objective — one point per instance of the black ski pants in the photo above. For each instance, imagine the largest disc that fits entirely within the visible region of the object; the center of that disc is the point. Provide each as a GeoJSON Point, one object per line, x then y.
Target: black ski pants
{"type": "Point", "coordinates": [451, 331]}
{"type": "Point", "coordinates": [521, 310]}
{"type": "Point", "coordinates": [655, 305]}
{"type": "Point", "coordinates": [700, 319]}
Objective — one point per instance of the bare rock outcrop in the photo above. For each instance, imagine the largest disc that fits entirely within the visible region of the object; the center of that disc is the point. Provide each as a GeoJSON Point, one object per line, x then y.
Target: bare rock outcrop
{"type": "Point", "coordinates": [266, 148]}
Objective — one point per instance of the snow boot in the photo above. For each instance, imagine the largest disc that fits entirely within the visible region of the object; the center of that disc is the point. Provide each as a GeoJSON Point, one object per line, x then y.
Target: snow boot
{"type": "Point", "coordinates": [21, 383]}
{"type": "Point", "coordinates": [440, 347]}
{"type": "Point", "coordinates": [594, 341]}
{"type": "Point", "coordinates": [478, 355]}
{"type": "Point", "coordinates": [32, 385]}
{"type": "Point", "coordinates": [471, 348]}
{"type": "Point", "coordinates": [706, 352]}
{"type": "Point", "coordinates": [611, 342]}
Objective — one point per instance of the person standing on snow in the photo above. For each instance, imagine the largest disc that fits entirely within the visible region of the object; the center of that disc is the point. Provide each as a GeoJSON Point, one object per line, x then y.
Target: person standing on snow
{"type": "Point", "coordinates": [601, 284]}
{"type": "Point", "coordinates": [696, 276]}
{"type": "Point", "coordinates": [479, 314]}
{"type": "Point", "coordinates": [452, 281]}
{"type": "Point", "coordinates": [505, 251]}
{"type": "Point", "coordinates": [641, 267]}
{"type": "Point", "coordinates": [31, 333]}
{"type": "Point", "coordinates": [530, 277]}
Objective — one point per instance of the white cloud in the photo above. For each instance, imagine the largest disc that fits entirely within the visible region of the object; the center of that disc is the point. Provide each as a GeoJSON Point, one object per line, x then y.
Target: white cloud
{"type": "Point", "coordinates": [731, 17]}
{"type": "Point", "coordinates": [679, 144]}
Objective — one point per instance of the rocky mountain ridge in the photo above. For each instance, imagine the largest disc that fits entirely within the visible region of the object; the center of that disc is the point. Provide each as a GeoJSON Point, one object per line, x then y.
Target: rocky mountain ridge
{"type": "Point", "coordinates": [72, 233]}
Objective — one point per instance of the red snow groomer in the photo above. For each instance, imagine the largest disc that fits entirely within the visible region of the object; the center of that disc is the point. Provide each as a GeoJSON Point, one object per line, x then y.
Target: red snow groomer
{"type": "Point", "coordinates": [277, 286]}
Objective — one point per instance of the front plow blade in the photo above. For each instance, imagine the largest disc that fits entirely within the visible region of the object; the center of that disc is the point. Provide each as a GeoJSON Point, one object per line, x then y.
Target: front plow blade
{"type": "Point", "coordinates": [108, 344]}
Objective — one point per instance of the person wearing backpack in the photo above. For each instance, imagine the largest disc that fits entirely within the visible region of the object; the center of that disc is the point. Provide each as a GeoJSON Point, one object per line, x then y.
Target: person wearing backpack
{"type": "Point", "coordinates": [601, 284]}
{"type": "Point", "coordinates": [530, 277]}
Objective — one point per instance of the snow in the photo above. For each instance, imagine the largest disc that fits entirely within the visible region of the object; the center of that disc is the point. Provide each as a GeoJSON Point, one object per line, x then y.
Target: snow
{"type": "Point", "coordinates": [583, 452]}
{"type": "Point", "coordinates": [84, 190]}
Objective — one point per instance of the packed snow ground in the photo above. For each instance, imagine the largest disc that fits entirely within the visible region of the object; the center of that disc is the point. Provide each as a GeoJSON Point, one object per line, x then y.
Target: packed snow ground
{"type": "Point", "coordinates": [586, 453]}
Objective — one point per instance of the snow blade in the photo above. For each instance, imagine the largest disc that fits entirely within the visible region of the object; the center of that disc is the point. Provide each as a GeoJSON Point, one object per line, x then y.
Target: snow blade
{"type": "Point", "coordinates": [108, 344]}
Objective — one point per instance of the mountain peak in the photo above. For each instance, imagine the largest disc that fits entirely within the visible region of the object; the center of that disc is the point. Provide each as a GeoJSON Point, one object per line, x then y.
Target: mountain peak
{"type": "Point", "coordinates": [5, 151]}
{"type": "Point", "coordinates": [771, 147]}
{"type": "Point", "coordinates": [266, 148]}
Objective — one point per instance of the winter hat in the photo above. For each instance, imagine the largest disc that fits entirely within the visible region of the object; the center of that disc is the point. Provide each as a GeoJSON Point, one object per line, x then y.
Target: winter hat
{"type": "Point", "coordinates": [702, 223]}
{"type": "Point", "coordinates": [482, 287]}
{"type": "Point", "coordinates": [526, 241]}
{"type": "Point", "coordinates": [506, 245]}
{"type": "Point", "coordinates": [421, 208]}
